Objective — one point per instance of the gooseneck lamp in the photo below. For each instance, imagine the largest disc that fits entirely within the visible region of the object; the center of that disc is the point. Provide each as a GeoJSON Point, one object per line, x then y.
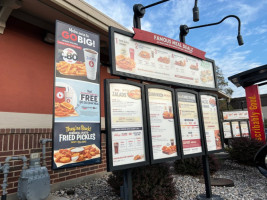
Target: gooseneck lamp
{"type": "Point", "coordinates": [140, 10]}
{"type": "Point", "coordinates": [195, 12]}
{"type": "Point", "coordinates": [184, 29]}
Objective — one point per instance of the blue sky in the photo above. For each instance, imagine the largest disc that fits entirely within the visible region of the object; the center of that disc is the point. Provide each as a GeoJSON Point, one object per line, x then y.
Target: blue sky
{"type": "Point", "coordinates": [219, 42]}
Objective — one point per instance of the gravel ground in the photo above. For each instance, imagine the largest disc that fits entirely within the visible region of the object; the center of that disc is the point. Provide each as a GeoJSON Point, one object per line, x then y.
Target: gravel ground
{"type": "Point", "coordinates": [249, 185]}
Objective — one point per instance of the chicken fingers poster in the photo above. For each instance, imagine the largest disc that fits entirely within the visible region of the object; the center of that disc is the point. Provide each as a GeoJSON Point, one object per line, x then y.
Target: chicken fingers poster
{"type": "Point", "coordinates": [76, 119]}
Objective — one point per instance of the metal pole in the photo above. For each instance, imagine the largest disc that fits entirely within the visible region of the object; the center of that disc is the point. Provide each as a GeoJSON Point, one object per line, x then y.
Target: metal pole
{"type": "Point", "coordinates": [127, 185]}
{"type": "Point", "coordinates": [206, 171]}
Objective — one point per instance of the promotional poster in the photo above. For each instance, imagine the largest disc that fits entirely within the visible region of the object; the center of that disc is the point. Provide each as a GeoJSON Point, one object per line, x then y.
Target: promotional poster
{"type": "Point", "coordinates": [244, 129]}
{"type": "Point", "coordinates": [76, 126]}
{"type": "Point", "coordinates": [189, 123]}
{"type": "Point", "coordinates": [162, 123]}
{"type": "Point", "coordinates": [128, 145]}
{"type": "Point", "coordinates": [211, 122]}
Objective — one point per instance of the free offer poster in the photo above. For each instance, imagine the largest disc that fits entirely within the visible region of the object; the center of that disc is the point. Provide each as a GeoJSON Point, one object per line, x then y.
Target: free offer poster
{"type": "Point", "coordinates": [211, 122]}
{"type": "Point", "coordinates": [128, 145]}
{"type": "Point", "coordinates": [76, 127]}
{"type": "Point", "coordinates": [162, 125]}
{"type": "Point", "coordinates": [189, 123]}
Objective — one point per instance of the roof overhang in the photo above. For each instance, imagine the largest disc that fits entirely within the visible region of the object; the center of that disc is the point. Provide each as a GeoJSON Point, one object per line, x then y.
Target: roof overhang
{"type": "Point", "coordinates": [250, 77]}
{"type": "Point", "coordinates": [44, 13]}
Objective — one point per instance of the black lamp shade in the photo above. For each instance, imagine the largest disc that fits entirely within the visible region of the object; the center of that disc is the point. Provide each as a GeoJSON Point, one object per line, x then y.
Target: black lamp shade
{"type": "Point", "coordinates": [195, 14]}
{"type": "Point", "coordinates": [240, 40]}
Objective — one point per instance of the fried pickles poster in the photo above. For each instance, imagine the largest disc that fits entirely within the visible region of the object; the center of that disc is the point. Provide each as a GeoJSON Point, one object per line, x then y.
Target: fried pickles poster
{"type": "Point", "coordinates": [162, 123]}
{"type": "Point", "coordinates": [76, 127]}
{"type": "Point", "coordinates": [128, 144]}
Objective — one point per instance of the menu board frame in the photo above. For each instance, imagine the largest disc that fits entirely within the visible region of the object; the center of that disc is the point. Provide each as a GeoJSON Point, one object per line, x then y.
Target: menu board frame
{"type": "Point", "coordinates": [238, 127]}
{"type": "Point", "coordinates": [177, 139]}
{"type": "Point", "coordinates": [110, 166]}
{"type": "Point", "coordinates": [113, 30]}
{"type": "Point", "coordinates": [199, 121]}
{"type": "Point", "coordinates": [230, 130]}
{"type": "Point", "coordinates": [76, 131]}
{"type": "Point", "coordinates": [219, 123]}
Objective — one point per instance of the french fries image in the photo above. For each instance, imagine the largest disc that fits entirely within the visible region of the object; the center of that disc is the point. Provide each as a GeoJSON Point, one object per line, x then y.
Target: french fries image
{"type": "Point", "coordinates": [75, 69]}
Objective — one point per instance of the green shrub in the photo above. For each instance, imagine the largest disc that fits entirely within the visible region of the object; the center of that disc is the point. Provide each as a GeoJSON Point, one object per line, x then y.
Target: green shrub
{"type": "Point", "coordinates": [193, 166]}
{"type": "Point", "coordinates": [243, 150]}
{"type": "Point", "coordinates": [149, 182]}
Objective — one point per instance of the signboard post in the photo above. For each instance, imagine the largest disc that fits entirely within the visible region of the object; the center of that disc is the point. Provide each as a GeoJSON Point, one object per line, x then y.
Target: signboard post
{"type": "Point", "coordinates": [255, 113]}
{"type": "Point", "coordinates": [76, 118]}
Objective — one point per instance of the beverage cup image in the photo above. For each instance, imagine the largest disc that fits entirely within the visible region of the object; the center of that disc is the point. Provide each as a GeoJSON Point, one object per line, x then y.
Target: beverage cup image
{"type": "Point", "coordinates": [116, 147]}
{"type": "Point", "coordinates": [91, 59]}
{"type": "Point", "coordinates": [172, 142]}
{"type": "Point", "coordinates": [69, 97]}
{"type": "Point", "coordinates": [60, 94]}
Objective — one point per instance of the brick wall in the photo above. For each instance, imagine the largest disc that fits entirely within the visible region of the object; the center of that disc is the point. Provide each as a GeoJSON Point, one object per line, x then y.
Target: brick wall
{"type": "Point", "coordinates": [18, 142]}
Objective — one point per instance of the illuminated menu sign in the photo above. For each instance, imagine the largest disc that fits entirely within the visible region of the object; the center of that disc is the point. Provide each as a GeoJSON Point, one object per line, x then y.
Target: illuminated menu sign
{"type": "Point", "coordinates": [163, 137]}
{"type": "Point", "coordinates": [189, 123]}
{"type": "Point", "coordinates": [146, 61]}
{"type": "Point", "coordinates": [211, 122]}
{"type": "Point", "coordinates": [126, 119]}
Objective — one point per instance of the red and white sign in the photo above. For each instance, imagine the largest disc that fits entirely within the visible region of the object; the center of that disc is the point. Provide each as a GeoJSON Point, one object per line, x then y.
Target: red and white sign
{"type": "Point", "coordinates": [167, 42]}
{"type": "Point", "coordinates": [255, 113]}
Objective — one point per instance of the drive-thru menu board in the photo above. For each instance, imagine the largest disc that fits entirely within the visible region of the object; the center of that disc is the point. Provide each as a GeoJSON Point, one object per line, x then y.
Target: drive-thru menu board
{"type": "Point", "coordinates": [162, 125]}
{"type": "Point", "coordinates": [211, 122]}
{"type": "Point", "coordinates": [232, 115]}
{"type": "Point", "coordinates": [136, 59]}
{"type": "Point", "coordinates": [127, 136]}
{"type": "Point", "coordinates": [76, 119]}
{"type": "Point", "coordinates": [244, 128]}
{"type": "Point", "coordinates": [189, 123]}
{"type": "Point", "coordinates": [227, 130]}
{"type": "Point", "coordinates": [236, 129]}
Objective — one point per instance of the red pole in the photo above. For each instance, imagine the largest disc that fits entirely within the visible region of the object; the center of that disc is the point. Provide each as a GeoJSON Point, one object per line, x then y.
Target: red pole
{"type": "Point", "coordinates": [255, 113]}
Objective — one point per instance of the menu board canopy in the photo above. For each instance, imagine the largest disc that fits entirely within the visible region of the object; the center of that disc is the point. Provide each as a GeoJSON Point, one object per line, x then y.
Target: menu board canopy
{"type": "Point", "coordinates": [235, 115]}
{"type": "Point", "coordinates": [212, 127]}
{"type": "Point", "coordinates": [150, 62]}
{"type": "Point", "coordinates": [189, 123]}
{"type": "Point", "coordinates": [164, 141]}
{"type": "Point", "coordinates": [127, 144]}
{"type": "Point", "coordinates": [76, 113]}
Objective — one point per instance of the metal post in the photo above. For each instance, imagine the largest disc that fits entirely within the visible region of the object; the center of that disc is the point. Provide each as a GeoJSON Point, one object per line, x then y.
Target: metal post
{"type": "Point", "coordinates": [127, 185]}
{"type": "Point", "coordinates": [206, 172]}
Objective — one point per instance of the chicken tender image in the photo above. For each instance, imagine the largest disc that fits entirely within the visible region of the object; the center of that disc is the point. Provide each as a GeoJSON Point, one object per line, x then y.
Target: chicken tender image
{"type": "Point", "coordinates": [75, 69]}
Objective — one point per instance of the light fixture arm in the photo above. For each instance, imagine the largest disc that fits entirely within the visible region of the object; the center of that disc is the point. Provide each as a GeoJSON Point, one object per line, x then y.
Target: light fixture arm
{"type": "Point", "coordinates": [184, 29]}
{"type": "Point", "coordinates": [139, 12]}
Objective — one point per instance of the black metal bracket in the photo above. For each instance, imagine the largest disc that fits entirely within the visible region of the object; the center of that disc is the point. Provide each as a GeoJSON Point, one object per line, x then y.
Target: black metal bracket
{"type": "Point", "coordinates": [139, 12]}
{"type": "Point", "coordinates": [184, 29]}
